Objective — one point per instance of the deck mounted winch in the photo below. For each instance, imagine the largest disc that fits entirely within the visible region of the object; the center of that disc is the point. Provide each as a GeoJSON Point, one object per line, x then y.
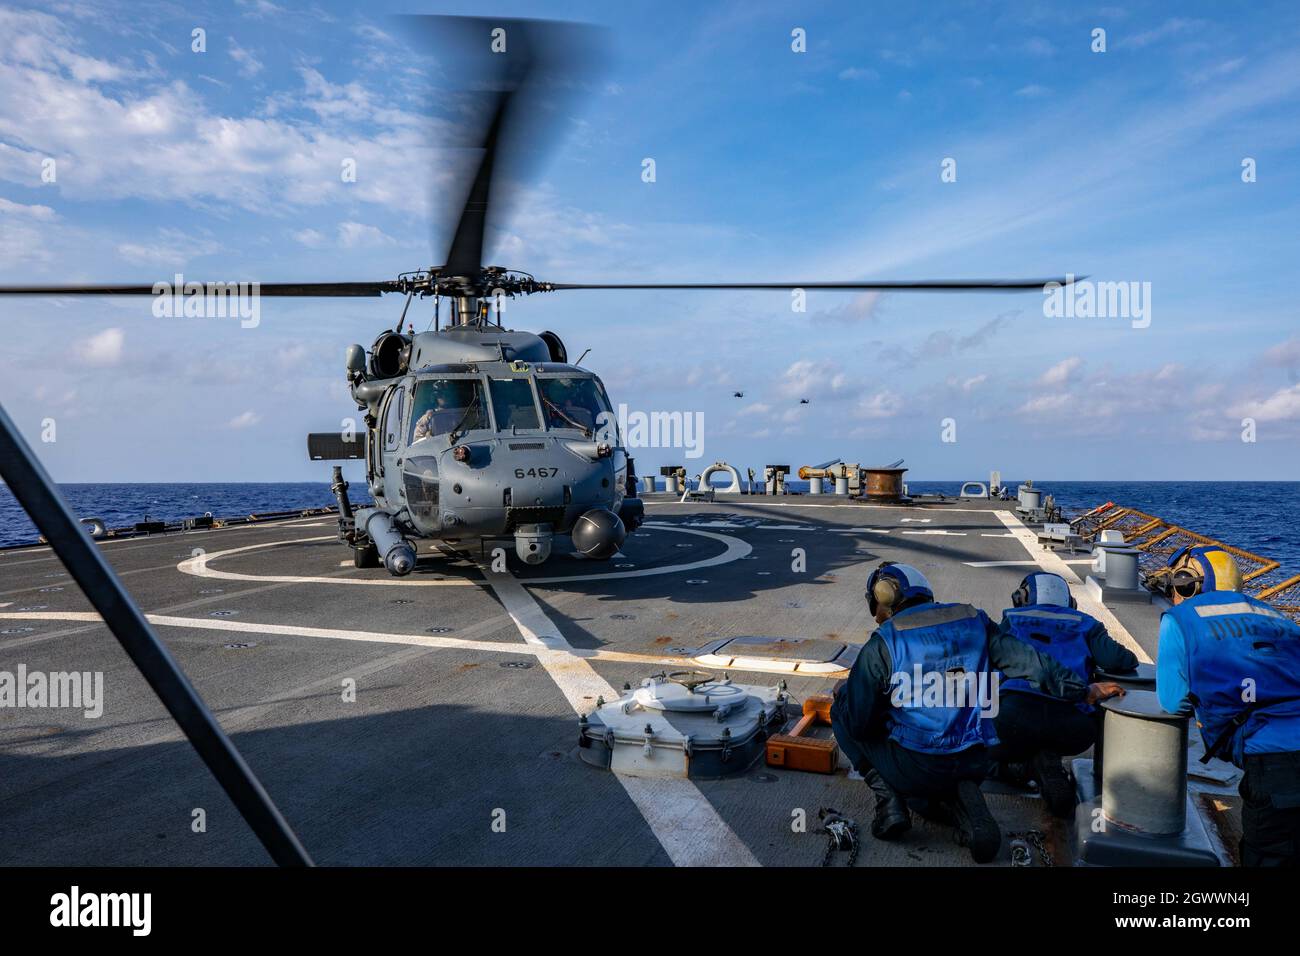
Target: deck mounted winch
{"type": "Point", "coordinates": [683, 724]}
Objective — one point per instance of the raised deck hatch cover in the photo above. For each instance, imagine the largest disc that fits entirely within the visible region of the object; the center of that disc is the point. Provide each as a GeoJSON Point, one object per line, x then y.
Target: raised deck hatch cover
{"type": "Point", "coordinates": [802, 655]}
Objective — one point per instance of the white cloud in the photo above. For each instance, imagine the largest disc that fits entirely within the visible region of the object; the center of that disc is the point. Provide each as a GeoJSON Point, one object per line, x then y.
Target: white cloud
{"type": "Point", "coordinates": [1060, 373]}
{"type": "Point", "coordinates": [356, 234]}
{"type": "Point", "coordinates": [171, 248]}
{"type": "Point", "coordinates": [245, 420]}
{"type": "Point", "coordinates": [1032, 91]}
{"type": "Point", "coordinates": [1039, 46]}
{"type": "Point", "coordinates": [22, 238]}
{"type": "Point", "coordinates": [858, 308]}
{"type": "Point", "coordinates": [883, 404]}
{"type": "Point", "coordinates": [101, 350]}
{"type": "Point", "coordinates": [249, 65]}
{"type": "Point", "coordinates": [1045, 404]}
{"type": "Point", "coordinates": [1282, 405]}
{"type": "Point", "coordinates": [38, 213]}
{"type": "Point", "coordinates": [160, 141]}
{"type": "Point", "coordinates": [1284, 354]}
{"type": "Point", "coordinates": [1176, 26]}
{"type": "Point", "coordinates": [808, 379]}
{"type": "Point", "coordinates": [859, 73]}
{"type": "Point", "coordinates": [309, 238]}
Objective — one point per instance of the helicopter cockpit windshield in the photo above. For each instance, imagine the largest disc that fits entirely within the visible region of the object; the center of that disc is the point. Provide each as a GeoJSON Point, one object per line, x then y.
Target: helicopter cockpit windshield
{"type": "Point", "coordinates": [573, 403]}
{"type": "Point", "coordinates": [513, 403]}
{"type": "Point", "coordinates": [445, 405]}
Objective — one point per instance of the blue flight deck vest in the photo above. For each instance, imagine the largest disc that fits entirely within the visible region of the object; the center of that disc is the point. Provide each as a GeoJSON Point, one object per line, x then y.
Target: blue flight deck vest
{"type": "Point", "coordinates": [938, 640]}
{"type": "Point", "coordinates": [1231, 638]}
{"type": "Point", "coordinates": [1060, 633]}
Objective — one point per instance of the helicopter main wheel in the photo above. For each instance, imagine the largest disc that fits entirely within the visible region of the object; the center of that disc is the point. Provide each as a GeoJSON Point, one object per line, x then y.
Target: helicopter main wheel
{"type": "Point", "coordinates": [367, 557]}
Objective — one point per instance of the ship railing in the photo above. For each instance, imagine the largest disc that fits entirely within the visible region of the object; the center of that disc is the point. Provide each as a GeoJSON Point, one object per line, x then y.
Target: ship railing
{"type": "Point", "coordinates": [1156, 539]}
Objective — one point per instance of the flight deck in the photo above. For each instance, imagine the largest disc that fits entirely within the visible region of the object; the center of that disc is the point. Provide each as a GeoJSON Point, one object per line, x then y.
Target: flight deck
{"type": "Point", "coordinates": [434, 718]}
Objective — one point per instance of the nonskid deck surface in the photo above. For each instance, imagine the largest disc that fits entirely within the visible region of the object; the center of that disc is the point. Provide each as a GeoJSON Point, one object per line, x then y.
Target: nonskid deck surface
{"type": "Point", "coordinates": [459, 747]}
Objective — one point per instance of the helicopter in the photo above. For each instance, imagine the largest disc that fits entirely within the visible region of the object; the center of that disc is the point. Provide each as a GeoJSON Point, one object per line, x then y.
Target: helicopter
{"type": "Point", "coordinates": [475, 432]}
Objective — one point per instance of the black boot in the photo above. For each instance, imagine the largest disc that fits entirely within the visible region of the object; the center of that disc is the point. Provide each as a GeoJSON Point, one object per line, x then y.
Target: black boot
{"type": "Point", "coordinates": [976, 828]}
{"type": "Point", "coordinates": [892, 819]}
{"type": "Point", "coordinates": [1055, 785]}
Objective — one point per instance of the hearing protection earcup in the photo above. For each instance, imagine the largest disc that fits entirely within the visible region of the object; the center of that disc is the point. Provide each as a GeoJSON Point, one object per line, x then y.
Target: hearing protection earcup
{"type": "Point", "coordinates": [1186, 582]}
{"type": "Point", "coordinates": [884, 592]}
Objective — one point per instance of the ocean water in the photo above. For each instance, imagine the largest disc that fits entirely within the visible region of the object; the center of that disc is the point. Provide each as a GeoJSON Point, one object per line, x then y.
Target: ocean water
{"type": "Point", "coordinates": [121, 505]}
{"type": "Point", "coordinates": [1257, 516]}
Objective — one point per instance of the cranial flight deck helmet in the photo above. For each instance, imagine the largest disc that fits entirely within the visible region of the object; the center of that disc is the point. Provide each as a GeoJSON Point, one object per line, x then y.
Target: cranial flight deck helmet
{"type": "Point", "coordinates": [893, 584]}
{"type": "Point", "coordinates": [1043, 587]}
{"type": "Point", "coordinates": [1202, 568]}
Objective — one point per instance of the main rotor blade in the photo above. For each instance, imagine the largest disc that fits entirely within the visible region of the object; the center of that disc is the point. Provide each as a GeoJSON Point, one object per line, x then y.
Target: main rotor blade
{"type": "Point", "coordinates": [905, 285]}
{"type": "Point", "coordinates": [465, 255]}
{"type": "Point", "coordinates": [513, 79]}
{"type": "Point", "coordinates": [312, 289]}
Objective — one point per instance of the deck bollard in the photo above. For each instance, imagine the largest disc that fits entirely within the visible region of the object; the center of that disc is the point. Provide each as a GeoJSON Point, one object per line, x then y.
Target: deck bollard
{"type": "Point", "coordinates": [1144, 782]}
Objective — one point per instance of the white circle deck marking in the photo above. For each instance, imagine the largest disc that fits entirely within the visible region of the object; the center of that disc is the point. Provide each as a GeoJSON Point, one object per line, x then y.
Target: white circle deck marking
{"type": "Point", "coordinates": [200, 566]}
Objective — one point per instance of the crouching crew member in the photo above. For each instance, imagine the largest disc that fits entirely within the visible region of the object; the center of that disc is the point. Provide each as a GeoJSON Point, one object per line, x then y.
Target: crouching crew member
{"type": "Point", "coordinates": [1235, 662]}
{"type": "Point", "coordinates": [1035, 728]}
{"type": "Point", "coordinates": [931, 748]}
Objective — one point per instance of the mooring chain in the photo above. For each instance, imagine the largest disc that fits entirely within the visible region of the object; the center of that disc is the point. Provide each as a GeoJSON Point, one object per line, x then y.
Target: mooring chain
{"type": "Point", "coordinates": [841, 834]}
{"type": "Point", "coordinates": [1019, 856]}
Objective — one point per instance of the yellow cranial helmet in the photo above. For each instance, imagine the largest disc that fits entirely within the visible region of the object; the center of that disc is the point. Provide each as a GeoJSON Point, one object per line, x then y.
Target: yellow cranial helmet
{"type": "Point", "coordinates": [1204, 568]}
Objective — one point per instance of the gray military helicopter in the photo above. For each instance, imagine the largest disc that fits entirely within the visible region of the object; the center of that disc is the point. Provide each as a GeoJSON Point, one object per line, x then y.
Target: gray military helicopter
{"type": "Point", "coordinates": [475, 432]}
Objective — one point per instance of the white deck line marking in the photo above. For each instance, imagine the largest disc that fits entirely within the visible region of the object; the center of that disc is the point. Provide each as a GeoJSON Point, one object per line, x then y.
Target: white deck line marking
{"type": "Point", "coordinates": [200, 566]}
{"type": "Point", "coordinates": [178, 535]}
{"type": "Point", "coordinates": [292, 630]}
{"type": "Point", "coordinates": [733, 526]}
{"type": "Point", "coordinates": [1000, 564]}
{"type": "Point", "coordinates": [365, 637]}
{"type": "Point", "coordinates": [736, 549]}
{"type": "Point", "coordinates": [954, 534]}
{"type": "Point", "coordinates": [683, 820]}
{"type": "Point", "coordinates": [1004, 534]}
{"type": "Point", "coordinates": [1052, 562]}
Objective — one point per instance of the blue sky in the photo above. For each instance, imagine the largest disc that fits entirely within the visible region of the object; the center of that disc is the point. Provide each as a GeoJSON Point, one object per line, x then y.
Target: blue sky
{"type": "Point", "coordinates": [770, 164]}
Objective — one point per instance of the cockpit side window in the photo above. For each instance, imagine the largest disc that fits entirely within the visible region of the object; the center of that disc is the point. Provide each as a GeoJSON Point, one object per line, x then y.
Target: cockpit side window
{"type": "Point", "coordinates": [513, 403]}
{"type": "Point", "coordinates": [447, 404]}
{"type": "Point", "coordinates": [574, 403]}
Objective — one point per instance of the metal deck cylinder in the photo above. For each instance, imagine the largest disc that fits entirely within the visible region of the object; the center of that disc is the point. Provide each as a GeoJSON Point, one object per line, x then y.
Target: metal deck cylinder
{"type": "Point", "coordinates": [815, 486]}
{"type": "Point", "coordinates": [1122, 568]}
{"type": "Point", "coordinates": [648, 483]}
{"type": "Point", "coordinates": [885, 485]}
{"type": "Point", "coordinates": [1144, 782]}
{"type": "Point", "coordinates": [673, 484]}
{"type": "Point", "coordinates": [842, 485]}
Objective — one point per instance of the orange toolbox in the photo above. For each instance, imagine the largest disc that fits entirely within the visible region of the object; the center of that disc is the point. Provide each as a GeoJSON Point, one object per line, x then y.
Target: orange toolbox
{"type": "Point", "coordinates": [795, 751]}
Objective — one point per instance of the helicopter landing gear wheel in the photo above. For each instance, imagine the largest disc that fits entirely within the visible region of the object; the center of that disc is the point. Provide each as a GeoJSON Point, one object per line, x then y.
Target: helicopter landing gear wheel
{"type": "Point", "coordinates": [367, 557]}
